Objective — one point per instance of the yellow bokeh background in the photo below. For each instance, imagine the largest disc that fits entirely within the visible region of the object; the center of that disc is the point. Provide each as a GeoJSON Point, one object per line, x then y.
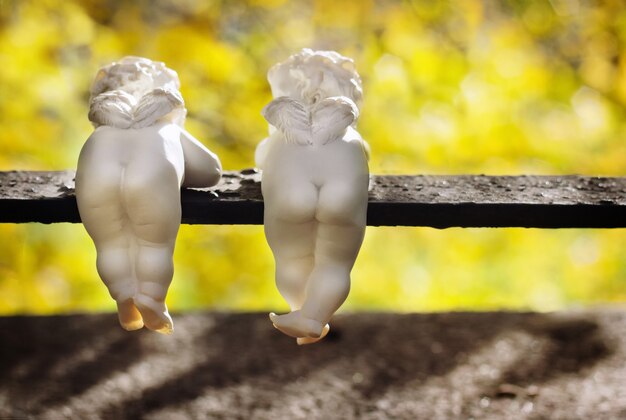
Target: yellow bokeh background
{"type": "Point", "coordinates": [512, 87]}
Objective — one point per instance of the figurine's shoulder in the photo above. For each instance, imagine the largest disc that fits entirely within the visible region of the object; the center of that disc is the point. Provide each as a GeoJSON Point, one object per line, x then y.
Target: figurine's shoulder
{"type": "Point", "coordinates": [352, 135]}
{"type": "Point", "coordinates": [354, 140]}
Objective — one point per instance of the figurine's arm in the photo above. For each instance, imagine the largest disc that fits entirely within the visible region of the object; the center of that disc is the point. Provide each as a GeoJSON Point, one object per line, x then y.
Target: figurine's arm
{"type": "Point", "coordinates": [202, 167]}
{"type": "Point", "coordinates": [366, 149]}
{"type": "Point", "coordinates": [260, 153]}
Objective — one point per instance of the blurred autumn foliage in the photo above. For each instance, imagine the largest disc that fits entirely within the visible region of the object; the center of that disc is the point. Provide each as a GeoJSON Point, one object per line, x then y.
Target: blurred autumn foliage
{"type": "Point", "coordinates": [476, 86]}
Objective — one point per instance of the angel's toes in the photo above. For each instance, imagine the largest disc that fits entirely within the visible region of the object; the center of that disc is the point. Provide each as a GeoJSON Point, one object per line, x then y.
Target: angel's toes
{"type": "Point", "coordinates": [295, 325]}
{"type": "Point", "coordinates": [310, 340]}
{"type": "Point", "coordinates": [154, 314]}
{"type": "Point", "coordinates": [130, 318]}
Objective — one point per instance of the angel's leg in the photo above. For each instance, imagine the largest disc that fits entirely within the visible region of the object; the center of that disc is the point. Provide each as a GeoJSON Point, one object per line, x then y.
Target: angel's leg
{"type": "Point", "coordinates": [341, 215]}
{"type": "Point", "coordinates": [290, 228]}
{"type": "Point", "coordinates": [115, 267]}
{"type": "Point", "coordinates": [100, 205]}
{"type": "Point", "coordinates": [329, 284]}
{"type": "Point", "coordinates": [152, 197]}
{"type": "Point", "coordinates": [292, 245]}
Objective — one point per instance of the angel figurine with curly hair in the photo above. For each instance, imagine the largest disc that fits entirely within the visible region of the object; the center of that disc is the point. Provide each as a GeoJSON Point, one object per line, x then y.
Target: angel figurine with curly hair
{"type": "Point", "coordinates": [315, 186]}
{"type": "Point", "coordinates": [128, 182]}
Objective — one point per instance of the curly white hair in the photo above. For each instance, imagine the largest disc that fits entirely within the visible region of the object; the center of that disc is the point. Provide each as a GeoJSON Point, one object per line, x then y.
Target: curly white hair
{"type": "Point", "coordinates": [135, 92]}
{"type": "Point", "coordinates": [311, 76]}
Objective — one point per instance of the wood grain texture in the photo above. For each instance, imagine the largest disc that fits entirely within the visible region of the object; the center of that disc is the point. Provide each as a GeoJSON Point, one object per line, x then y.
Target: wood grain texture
{"type": "Point", "coordinates": [395, 200]}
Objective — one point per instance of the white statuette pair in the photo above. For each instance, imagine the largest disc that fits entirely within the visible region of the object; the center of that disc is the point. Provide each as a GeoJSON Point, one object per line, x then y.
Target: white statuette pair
{"type": "Point", "coordinates": [314, 182]}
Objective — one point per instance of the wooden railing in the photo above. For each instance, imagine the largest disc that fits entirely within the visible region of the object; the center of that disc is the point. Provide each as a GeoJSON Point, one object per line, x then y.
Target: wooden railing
{"type": "Point", "coordinates": [395, 200]}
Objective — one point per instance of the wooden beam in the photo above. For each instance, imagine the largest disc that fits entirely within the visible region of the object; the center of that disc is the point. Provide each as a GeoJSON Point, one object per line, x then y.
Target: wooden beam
{"type": "Point", "coordinates": [570, 201]}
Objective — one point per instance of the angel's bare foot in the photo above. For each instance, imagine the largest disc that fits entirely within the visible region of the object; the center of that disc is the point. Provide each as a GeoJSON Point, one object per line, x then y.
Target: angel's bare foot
{"type": "Point", "coordinates": [309, 340]}
{"type": "Point", "coordinates": [154, 313]}
{"type": "Point", "coordinates": [295, 325]}
{"type": "Point", "coordinates": [129, 316]}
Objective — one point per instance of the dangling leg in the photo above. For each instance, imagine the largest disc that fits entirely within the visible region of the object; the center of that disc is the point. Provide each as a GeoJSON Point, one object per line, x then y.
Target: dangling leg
{"type": "Point", "coordinates": [100, 205]}
{"type": "Point", "coordinates": [152, 197]}
{"type": "Point", "coordinates": [155, 269]}
{"type": "Point", "coordinates": [328, 287]}
{"type": "Point", "coordinates": [290, 229]}
{"type": "Point", "coordinates": [294, 263]}
{"type": "Point", "coordinates": [292, 246]}
{"type": "Point", "coordinates": [115, 268]}
{"type": "Point", "coordinates": [341, 216]}
{"type": "Point", "coordinates": [328, 284]}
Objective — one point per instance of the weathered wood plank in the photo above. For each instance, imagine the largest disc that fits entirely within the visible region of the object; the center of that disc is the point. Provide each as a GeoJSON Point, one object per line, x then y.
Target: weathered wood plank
{"type": "Point", "coordinates": [404, 200]}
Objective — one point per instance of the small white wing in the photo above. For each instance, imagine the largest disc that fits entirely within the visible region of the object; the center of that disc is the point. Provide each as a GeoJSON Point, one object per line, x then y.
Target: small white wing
{"type": "Point", "coordinates": [291, 118]}
{"type": "Point", "coordinates": [331, 117]}
{"type": "Point", "coordinates": [113, 108]}
{"type": "Point", "coordinates": [155, 105]}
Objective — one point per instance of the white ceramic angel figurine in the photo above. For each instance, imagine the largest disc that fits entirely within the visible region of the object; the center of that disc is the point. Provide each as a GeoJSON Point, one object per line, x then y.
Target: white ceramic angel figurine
{"type": "Point", "coordinates": [314, 181]}
{"type": "Point", "coordinates": [128, 182]}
